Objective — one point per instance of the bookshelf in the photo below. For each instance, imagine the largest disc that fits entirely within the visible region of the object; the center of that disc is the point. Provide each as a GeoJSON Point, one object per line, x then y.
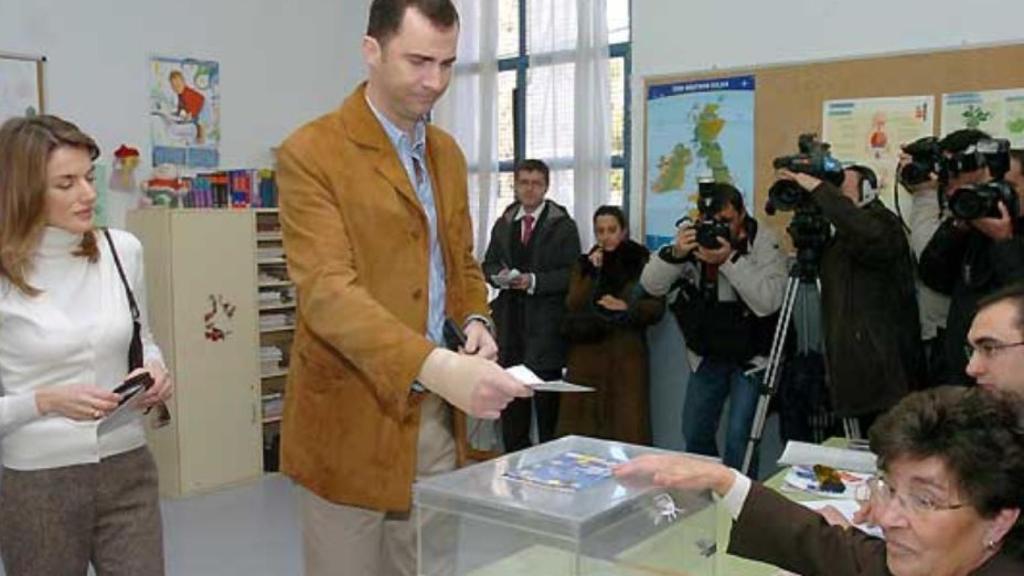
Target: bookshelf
{"type": "Point", "coordinates": [276, 310]}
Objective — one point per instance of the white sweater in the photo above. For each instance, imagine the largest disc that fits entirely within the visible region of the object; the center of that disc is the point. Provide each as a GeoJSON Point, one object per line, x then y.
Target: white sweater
{"type": "Point", "coordinates": [76, 332]}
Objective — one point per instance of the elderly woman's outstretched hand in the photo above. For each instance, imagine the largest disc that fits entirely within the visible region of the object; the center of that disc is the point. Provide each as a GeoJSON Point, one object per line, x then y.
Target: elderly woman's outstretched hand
{"type": "Point", "coordinates": [679, 471]}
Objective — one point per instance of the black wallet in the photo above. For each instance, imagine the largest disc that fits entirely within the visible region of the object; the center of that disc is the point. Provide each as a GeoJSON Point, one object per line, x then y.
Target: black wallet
{"type": "Point", "coordinates": [134, 385]}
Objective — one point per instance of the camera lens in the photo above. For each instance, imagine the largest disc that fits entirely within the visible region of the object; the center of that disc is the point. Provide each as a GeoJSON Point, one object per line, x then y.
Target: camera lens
{"type": "Point", "coordinates": [785, 195]}
{"type": "Point", "coordinates": [970, 203]}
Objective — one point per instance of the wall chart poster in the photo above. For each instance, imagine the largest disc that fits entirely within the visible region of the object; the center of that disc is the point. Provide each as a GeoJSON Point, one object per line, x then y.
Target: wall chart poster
{"type": "Point", "coordinates": [184, 96]}
{"type": "Point", "coordinates": [998, 112]}
{"type": "Point", "coordinates": [21, 88]}
{"type": "Point", "coordinates": [694, 129]}
{"type": "Point", "coordinates": [870, 131]}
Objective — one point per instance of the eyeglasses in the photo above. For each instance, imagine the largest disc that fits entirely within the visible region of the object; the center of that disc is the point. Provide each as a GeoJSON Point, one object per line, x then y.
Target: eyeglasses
{"type": "Point", "coordinates": [880, 492]}
{"type": "Point", "coordinates": [988, 349]}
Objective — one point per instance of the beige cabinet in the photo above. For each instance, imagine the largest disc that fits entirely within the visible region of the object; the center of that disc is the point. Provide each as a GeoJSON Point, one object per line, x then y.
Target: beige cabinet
{"type": "Point", "coordinates": [200, 279]}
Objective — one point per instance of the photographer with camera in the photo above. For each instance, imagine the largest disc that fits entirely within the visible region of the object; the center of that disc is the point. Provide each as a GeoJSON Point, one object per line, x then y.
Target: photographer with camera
{"type": "Point", "coordinates": [915, 173]}
{"type": "Point", "coordinates": [731, 276]}
{"type": "Point", "coordinates": [979, 247]}
{"type": "Point", "coordinates": [869, 310]}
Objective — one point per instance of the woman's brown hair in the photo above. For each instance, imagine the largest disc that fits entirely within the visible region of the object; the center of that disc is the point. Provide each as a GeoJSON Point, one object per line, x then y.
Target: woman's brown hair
{"type": "Point", "coordinates": [25, 148]}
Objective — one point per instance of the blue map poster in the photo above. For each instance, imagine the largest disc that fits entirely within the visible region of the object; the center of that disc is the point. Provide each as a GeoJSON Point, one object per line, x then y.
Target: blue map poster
{"type": "Point", "coordinates": [699, 129]}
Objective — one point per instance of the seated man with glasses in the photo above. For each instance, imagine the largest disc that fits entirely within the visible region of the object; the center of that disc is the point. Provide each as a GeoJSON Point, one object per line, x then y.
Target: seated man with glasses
{"type": "Point", "coordinates": [948, 498]}
{"type": "Point", "coordinates": [995, 342]}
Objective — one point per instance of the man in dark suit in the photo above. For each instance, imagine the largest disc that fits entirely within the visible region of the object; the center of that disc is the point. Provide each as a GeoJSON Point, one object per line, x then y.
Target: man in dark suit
{"type": "Point", "coordinates": [532, 249]}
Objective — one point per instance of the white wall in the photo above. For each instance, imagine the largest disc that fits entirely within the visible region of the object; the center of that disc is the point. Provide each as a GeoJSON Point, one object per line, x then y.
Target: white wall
{"type": "Point", "coordinates": [679, 36]}
{"type": "Point", "coordinates": [281, 62]}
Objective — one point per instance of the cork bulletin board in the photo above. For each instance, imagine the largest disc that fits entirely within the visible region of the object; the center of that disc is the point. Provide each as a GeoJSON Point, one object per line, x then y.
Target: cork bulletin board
{"type": "Point", "coordinates": [788, 98]}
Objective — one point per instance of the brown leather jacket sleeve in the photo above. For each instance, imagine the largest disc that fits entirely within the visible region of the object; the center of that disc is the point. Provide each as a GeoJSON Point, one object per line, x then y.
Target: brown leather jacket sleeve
{"type": "Point", "coordinates": [778, 531]}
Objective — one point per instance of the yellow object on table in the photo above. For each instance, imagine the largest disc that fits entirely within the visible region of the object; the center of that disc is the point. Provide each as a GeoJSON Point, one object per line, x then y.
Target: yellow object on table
{"type": "Point", "coordinates": [736, 566]}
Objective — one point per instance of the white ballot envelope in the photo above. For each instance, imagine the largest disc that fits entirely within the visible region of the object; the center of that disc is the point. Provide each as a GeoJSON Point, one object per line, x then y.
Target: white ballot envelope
{"type": "Point", "coordinates": [527, 376]}
{"type": "Point", "coordinates": [505, 277]}
{"type": "Point", "coordinates": [128, 410]}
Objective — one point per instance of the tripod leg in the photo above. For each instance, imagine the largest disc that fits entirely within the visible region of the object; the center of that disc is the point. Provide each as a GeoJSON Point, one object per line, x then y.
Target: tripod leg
{"type": "Point", "coordinates": [771, 373]}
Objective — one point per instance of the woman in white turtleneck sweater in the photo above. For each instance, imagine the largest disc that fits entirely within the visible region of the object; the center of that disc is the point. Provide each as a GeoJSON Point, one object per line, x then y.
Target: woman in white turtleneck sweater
{"type": "Point", "coordinates": [70, 495]}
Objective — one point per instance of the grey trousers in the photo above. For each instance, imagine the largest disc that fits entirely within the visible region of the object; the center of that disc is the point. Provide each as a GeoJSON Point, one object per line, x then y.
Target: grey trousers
{"type": "Point", "coordinates": [56, 522]}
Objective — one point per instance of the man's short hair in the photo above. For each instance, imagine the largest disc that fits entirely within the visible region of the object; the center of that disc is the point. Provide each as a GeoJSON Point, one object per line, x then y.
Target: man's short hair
{"type": "Point", "coordinates": [723, 194]}
{"type": "Point", "coordinates": [386, 16]}
{"type": "Point", "coordinates": [533, 165]}
{"type": "Point", "coordinates": [1012, 293]}
{"type": "Point", "coordinates": [176, 74]}
{"type": "Point", "coordinates": [960, 140]}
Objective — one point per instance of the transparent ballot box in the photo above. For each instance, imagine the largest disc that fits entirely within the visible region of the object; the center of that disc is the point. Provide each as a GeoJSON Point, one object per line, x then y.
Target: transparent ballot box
{"type": "Point", "coordinates": [554, 510]}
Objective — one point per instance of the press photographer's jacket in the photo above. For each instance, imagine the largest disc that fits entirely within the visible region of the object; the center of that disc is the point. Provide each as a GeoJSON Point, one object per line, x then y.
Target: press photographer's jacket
{"type": "Point", "coordinates": [869, 306]}
{"type": "Point", "coordinates": [755, 280]}
{"type": "Point", "coordinates": [966, 264]}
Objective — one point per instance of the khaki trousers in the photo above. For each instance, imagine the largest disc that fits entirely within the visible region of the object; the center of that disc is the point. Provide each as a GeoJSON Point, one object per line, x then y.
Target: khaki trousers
{"type": "Point", "coordinates": [343, 540]}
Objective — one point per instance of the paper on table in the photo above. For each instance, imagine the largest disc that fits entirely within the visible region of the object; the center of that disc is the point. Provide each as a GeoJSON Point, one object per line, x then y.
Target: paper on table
{"type": "Point", "coordinates": [804, 454]}
{"type": "Point", "coordinates": [527, 376]}
{"type": "Point", "coordinates": [847, 508]}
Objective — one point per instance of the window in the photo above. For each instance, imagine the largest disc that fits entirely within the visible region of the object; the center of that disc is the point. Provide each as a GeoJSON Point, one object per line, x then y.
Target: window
{"type": "Point", "coordinates": [531, 126]}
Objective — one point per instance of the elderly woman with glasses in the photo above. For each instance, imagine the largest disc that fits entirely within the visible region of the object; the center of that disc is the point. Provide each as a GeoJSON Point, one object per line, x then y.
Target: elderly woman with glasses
{"type": "Point", "coordinates": [948, 497]}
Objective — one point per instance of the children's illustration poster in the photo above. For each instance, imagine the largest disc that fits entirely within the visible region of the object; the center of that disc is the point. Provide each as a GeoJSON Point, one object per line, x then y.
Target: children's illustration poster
{"type": "Point", "coordinates": [184, 111]}
{"type": "Point", "coordinates": [870, 131]}
{"type": "Point", "coordinates": [1000, 113]}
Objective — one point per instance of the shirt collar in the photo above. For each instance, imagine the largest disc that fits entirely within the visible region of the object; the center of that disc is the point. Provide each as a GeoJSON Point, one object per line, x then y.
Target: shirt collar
{"type": "Point", "coordinates": [521, 212]}
{"type": "Point", "coordinates": [397, 135]}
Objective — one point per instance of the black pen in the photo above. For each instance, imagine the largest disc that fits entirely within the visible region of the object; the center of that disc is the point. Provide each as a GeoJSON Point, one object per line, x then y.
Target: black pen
{"type": "Point", "coordinates": [454, 337]}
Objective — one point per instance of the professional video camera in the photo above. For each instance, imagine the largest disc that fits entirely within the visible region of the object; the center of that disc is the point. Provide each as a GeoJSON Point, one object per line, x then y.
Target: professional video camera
{"type": "Point", "coordinates": [809, 229]}
{"type": "Point", "coordinates": [925, 159]}
{"type": "Point", "coordinates": [982, 200]}
{"type": "Point", "coordinates": [814, 159]}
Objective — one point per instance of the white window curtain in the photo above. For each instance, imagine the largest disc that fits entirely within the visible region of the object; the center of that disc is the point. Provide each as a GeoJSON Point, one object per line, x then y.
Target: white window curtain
{"type": "Point", "coordinates": [469, 110]}
{"type": "Point", "coordinates": [568, 105]}
{"type": "Point", "coordinates": [568, 109]}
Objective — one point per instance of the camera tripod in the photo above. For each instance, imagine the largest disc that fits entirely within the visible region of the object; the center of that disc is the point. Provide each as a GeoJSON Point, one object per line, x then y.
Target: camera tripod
{"type": "Point", "coordinates": [803, 291]}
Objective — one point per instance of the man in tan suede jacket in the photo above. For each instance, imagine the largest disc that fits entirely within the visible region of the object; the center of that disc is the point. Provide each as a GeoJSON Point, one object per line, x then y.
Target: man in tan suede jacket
{"type": "Point", "coordinates": [377, 230]}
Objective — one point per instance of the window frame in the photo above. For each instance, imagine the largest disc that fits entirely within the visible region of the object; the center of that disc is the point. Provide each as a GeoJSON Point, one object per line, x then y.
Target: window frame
{"type": "Point", "coordinates": [520, 63]}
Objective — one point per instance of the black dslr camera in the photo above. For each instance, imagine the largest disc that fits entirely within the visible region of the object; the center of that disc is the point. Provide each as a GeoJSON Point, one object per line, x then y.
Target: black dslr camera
{"type": "Point", "coordinates": [709, 203]}
{"type": "Point", "coordinates": [814, 159]}
{"type": "Point", "coordinates": [925, 159]}
{"type": "Point", "coordinates": [982, 200]}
